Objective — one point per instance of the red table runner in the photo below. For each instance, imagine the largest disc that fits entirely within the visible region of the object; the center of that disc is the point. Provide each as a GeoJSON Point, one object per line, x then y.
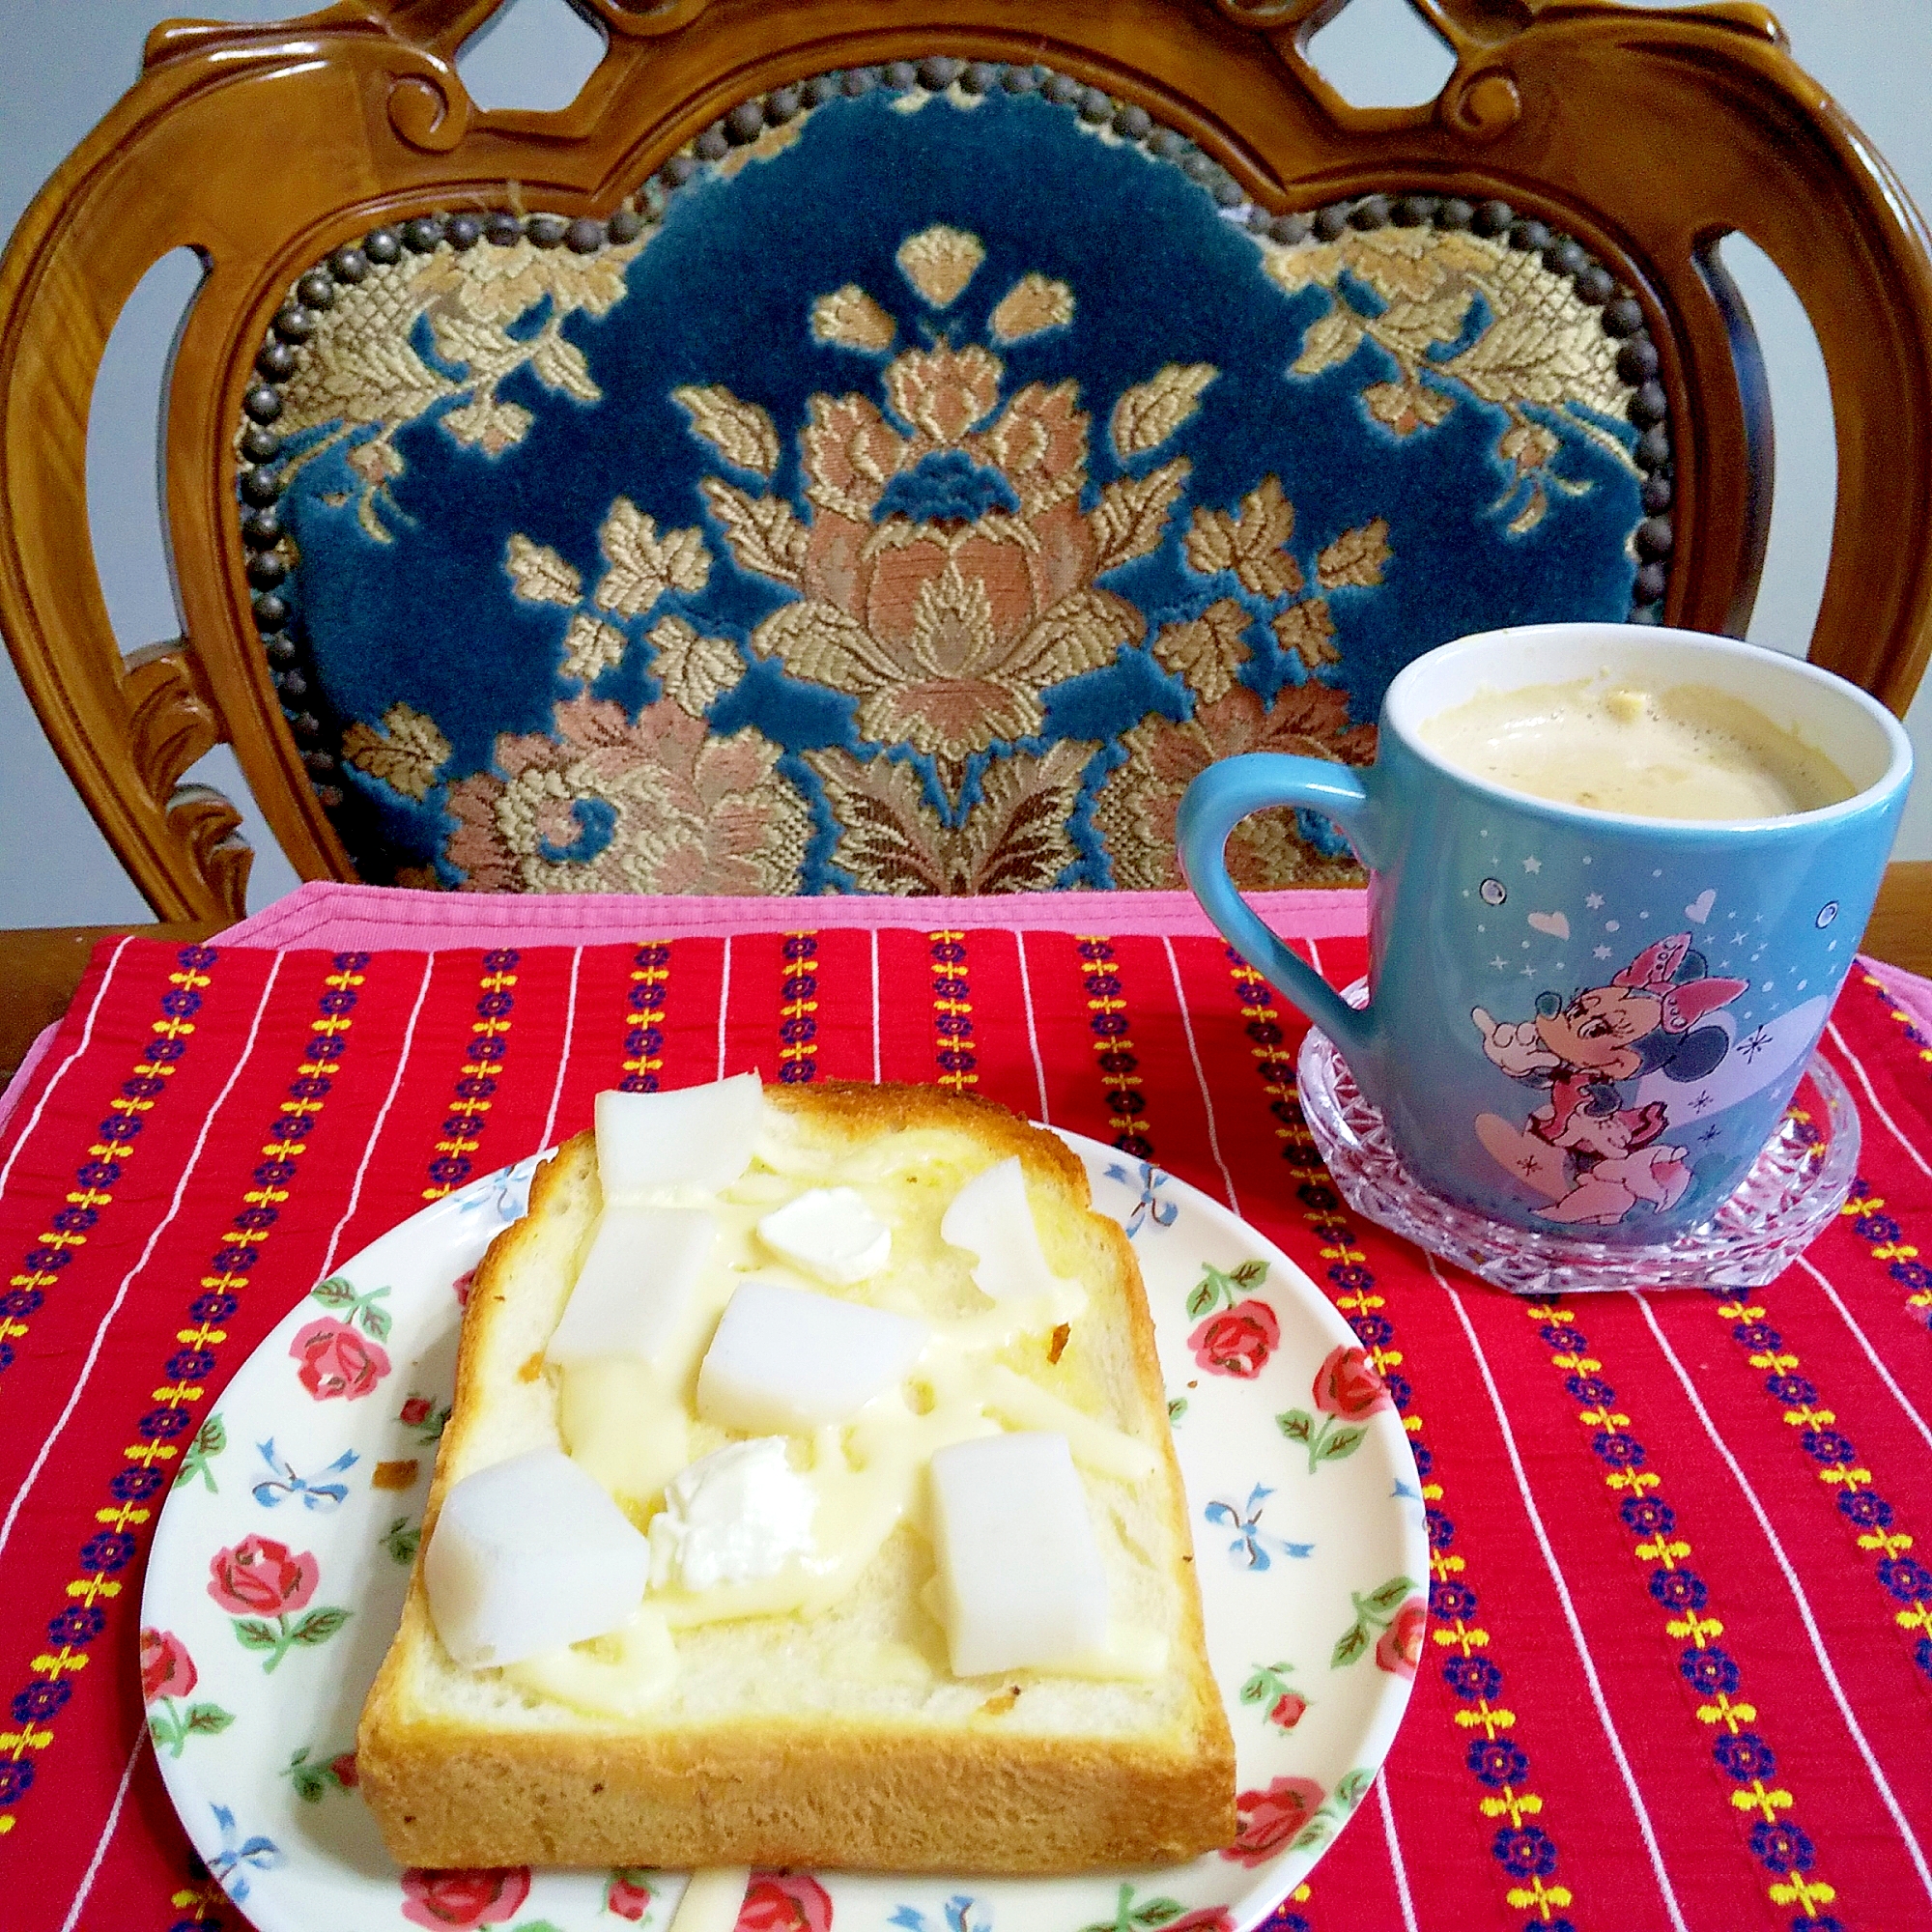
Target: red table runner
{"type": "Point", "coordinates": [1679, 1667]}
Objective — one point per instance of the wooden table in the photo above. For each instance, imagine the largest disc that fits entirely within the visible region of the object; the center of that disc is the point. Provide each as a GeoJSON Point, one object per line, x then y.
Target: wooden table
{"type": "Point", "coordinates": [43, 964]}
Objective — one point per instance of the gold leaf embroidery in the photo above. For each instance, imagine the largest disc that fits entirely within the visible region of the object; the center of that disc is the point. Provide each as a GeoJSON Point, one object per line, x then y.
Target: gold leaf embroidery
{"type": "Point", "coordinates": [740, 432]}
{"type": "Point", "coordinates": [1330, 339]}
{"type": "Point", "coordinates": [643, 565]}
{"type": "Point", "coordinates": [1528, 446]}
{"type": "Point", "coordinates": [762, 533]}
{"type": "Point", "coordinates": [1530, 515]}
{"type": "Point", "coordinates": [559, 363]}
{"type": "Point", "coordinates": [486, 424]}
{"type": "Point", "coordinates": [1308, 630]}
{"type": "Point", "coordinates": [852, 319]}
{"type": "Point", "coordinates": [538, 575]}
{"type": "Point", "coordinates": [944, 391]}
{"type": "Point", "coordinates": [1407, 406]}
{"type": "Point", "coordinates": [696, 670]}
{"type": "Point", "coordinates": [1135, 812]}
{"type": "Point", "coordinates": [1150, 412]}
{"type": "Point", "coordinates": [1207, 650]}
{"type": "Point", "coordinates": [1034, 302]}
{"type": "Point", "coordinates": [940, 261]}
{"type": "Point", "coordinates": [1013, 839]}
{"type": "Point", "coordinates": [406, 759]}
{"type": "Point", "coordinates": [1355, 556]}
{"type": "Point", "coordinates": [688, 813]}
{"type": "Point", "coordinates": [590, 646]}
{"type": "Point", "coordinates": [1541, 345]}
{"type": "Point", "coordinates": [1251, 542]}
{"type": "Point", "coordinates": [359, 373]}
{"type": "Point", "coordinates": [1131, 517]}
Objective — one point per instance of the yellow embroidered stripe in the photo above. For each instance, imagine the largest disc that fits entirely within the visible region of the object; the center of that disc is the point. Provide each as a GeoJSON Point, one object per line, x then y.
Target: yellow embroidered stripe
{"type": "Point", "coordinates": [450, 1165]}
{"type": "Point", "coordinates": [952, 1012]}
{"type": "Point", "coordinates": [1498, 1764]}
{"type": "Point", "coordinates": [113, 1546]}
{"type": "Point", "coordinates": [1113, 1048]}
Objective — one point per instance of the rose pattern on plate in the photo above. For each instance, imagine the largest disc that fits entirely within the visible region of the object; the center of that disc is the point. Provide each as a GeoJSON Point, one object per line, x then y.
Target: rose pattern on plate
{"type": "Point", "coordinates": [1240, 1332]}
{"type": "Point", "coordinates": [401, 1539]}
{"type": "Point", "coordinates": [1270, 1819]}
{"type": "Point", "coordinates": [1250, 1547]}
{"type": "Point", "coordinates": [283, 1485]}
{"type": "Point", "coordinates": [443, 1899]}
{"type": "Point", "coordinates": [313, 1778]}
{"type": "Point", "coordinates": [258, 1578]}
{"type": "Point", "coordinates": [336, 1361]}
{"type": "Point", "coordinates": [1397, 1612]}
{"type": "Point", "coordinates": [1347, 1392]}
{"type": "Point", "coordinates": [1269, 1686]}
{"type": "Point", "coordinates": [422, 1414]}
{"type": "Point", "coordinates": [168, 1677]}
{"type": "Point", "coordinates": [789, 1902]}
{"type": "Point", "coordinates": [627, 1891]}
{"type": "Point", "coordinates": [1161, 1914]}
{"type": "Point", "coordinates": [210, 1441]}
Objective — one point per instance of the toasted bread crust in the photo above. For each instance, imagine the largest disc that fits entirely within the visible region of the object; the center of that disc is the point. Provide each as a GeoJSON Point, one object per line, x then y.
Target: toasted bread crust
{"type": "Point", "coordinates": [814, 1787]}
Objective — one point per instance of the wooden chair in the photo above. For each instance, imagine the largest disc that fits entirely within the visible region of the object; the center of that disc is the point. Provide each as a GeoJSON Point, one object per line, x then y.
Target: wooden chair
{"type": "Point", "coordinates": [868, 444]}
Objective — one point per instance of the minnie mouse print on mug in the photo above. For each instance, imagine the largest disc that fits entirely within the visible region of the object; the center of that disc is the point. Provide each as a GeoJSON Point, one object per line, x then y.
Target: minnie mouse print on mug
{"type": "Point", "coordinates": [1617, 876]}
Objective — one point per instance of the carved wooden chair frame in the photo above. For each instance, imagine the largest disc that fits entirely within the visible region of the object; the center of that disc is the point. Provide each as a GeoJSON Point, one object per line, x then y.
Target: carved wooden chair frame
{"type": "Point", "coordinates": [1646, 137]}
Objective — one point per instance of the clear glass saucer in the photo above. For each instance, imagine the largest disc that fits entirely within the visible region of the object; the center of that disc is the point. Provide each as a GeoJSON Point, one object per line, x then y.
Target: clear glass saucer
{"type": "Point", "coordinates": [1791, 1194]}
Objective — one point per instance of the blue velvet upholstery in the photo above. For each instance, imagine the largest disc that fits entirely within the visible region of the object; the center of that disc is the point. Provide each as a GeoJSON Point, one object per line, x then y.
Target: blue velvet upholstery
{"type": "Point", "coordinates": [917, 505]}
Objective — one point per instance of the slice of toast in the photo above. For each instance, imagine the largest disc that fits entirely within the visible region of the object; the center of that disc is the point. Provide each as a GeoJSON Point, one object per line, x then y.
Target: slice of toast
{"type": "Point", "coordinates": [839, 1738]}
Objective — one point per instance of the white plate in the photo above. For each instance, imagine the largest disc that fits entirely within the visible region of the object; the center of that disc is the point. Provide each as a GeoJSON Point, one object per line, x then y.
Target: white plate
{"type": "Point", "coordinates": [1308, 1527]}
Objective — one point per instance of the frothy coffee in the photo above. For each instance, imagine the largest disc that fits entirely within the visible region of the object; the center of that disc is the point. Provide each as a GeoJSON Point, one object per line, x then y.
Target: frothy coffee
{"type": "Point", "coordinates": [1688, 751]}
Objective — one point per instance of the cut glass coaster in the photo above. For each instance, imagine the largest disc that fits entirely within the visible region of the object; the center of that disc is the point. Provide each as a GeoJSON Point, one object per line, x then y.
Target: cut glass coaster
{"type": "Point", "coordinates": [1791, 1194]}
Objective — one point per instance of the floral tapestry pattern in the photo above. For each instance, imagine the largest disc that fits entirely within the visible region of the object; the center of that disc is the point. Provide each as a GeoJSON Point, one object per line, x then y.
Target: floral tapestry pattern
{"type": "Point", "coordinates": [969, 609]}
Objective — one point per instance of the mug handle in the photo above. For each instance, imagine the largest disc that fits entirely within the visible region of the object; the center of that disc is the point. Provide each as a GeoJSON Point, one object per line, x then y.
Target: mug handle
{"type": "Point", "coordinates": [1214, 804]}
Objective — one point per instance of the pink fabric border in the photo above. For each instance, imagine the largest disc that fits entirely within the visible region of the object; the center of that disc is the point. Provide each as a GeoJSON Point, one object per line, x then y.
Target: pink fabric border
{"type": "Point", "coordinates": [329, 915]}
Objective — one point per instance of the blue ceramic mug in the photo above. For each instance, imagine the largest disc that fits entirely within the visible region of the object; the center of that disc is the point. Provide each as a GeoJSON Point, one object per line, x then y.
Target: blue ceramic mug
{"type": "Point", "coordinates": [1579, 1021]}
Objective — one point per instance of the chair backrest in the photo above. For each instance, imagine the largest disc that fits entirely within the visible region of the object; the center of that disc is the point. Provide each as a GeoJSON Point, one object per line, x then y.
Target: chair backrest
{"type": "Point", "coordinates": [894, 445]}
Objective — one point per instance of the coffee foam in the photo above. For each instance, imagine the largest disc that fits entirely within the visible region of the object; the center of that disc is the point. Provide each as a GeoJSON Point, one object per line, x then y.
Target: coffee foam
{"type": "Point", "coordinates": [1689, 752]}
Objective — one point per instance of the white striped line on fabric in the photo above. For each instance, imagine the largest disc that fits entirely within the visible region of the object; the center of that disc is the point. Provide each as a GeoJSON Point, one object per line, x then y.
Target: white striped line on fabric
{"type": "Point", "coordinates": [1200, 1073]}
{"type": "Point", "coordinates": [93, 1863]}
{"type": "Point", "coordinates": [877, 1043]}
{"type": "Point", "coordinates": [563, 1053]}
{"type": "Point", "coordinates": [1804, 1603]}
{"type": "Point", "coordinates": [376, 1131]}
{"type": "Point", "coordinates": [126, 1280]}
{"type": "Point", "coordinates": [1877, 1106]}
{"type": "Point", "coordinates": [1033, 1030]}
{"type": "Point", "coordinates": [1663, 1886]}
{"type": "Point", "coordinates": [59, 1073]}
{"type": "Point", "coordinates": [1898, 1395]}
{"type": "Point", "coordinates": [1396, 1863]}
{"type": "Point", "coordinates": [723, 1003]}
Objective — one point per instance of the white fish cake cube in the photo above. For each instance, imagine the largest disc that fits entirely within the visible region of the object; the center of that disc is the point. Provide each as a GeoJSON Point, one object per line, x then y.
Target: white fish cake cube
{"type": "Point", "coordinates": [528, 1555]}
{"type": "Point", "coordinates": [991, 1217]}
{"type": "Point", "coordinates": [829, 1231]}
{"type": "Point", "coordinates": [784, 1362]}
{"type": "Point", "coordinates": [635, 1292]}
{"type": "Point", "coordinates": [690, 1137]}
{"type": "Point", "coordinates": [1020, 1575]}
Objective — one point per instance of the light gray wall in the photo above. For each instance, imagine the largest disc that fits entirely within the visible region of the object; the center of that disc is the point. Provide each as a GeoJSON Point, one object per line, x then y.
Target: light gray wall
{"type": "Point", "coordinates": [65, 64]}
